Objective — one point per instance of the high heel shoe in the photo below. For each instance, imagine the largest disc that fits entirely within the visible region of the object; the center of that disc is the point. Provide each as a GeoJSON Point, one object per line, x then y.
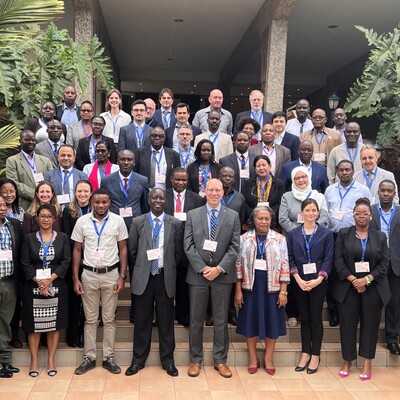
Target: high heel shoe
{"type": "Point", "coordinates": [313, 371]}
{"type": "Point", "coordinates": [344, 374]}
{"type": "Point", "coordinates": [365, 377]}
{"type": "Point", "coordinates": [253, 370]}
{"type": "Point", "coordinates": [270, 371]}
{"type": "Point", "coordinates": [300, 369]}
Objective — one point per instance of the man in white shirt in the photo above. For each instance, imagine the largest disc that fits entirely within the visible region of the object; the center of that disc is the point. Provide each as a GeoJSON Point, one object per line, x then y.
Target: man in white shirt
{"type": "Point", "coordinates": [301, 123]}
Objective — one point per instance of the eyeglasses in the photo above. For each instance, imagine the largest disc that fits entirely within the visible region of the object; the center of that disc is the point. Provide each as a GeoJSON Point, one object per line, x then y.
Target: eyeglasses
{"type": "Point", "coordinates": [138, 111]}
{"type": "Point", "coordinates": [185, 134]}
{"type": "Point", "coordinates": [301, 177]}
{"type": "Point", "coordinates": [49, 217]}
{"type": "Point", "coordinates": [5, 193]}
{"type": "Point", "coordinates": [102, 151]}
{"type": "Point", "coordinates": [363, 214]}
{"type": "Point", "coordinates": [86, 111]}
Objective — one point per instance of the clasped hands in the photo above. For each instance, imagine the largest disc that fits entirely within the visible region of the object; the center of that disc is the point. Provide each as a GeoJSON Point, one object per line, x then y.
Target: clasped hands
{"type": "Point", "coordinates": [359, 285]}
{"type": "Point", "coordinates": [44, 286]}
{"type": "Point", "coordinates": [210, 273]}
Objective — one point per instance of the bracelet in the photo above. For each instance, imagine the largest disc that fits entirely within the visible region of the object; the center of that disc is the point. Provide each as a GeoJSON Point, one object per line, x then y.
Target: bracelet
{"type": "Point", "coordinates": [353, 280]}
{"type": "Point", "coordinates": [368, 280]}
{"type": "Point", "coordinates": [284, 293]}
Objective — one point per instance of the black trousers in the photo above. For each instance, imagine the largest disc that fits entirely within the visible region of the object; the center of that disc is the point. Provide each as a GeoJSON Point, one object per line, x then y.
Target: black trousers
{"type": "Point", "coordinates": [310, 306]}
{"type": "Point", "coordinates": [392, 309]}
{"type": "Point", "coordinates": [291, 309]}
{"type": "Point", "coordinates": [144, 310]}
{"type": "Point", "coordinates": [364, 307]}
{"type": "Point", "coordinates": [182, 300]}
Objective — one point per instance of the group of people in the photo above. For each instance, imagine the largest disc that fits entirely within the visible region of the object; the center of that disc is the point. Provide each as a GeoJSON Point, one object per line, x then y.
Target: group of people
{"type": "Point", "coordinates": [262, 214]}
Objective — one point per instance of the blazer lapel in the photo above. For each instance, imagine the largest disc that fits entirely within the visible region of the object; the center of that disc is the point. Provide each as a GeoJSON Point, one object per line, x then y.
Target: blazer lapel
{"type": "Point", "coordinates": [394, 220]}
{"type": "Point", "coordinates": [167, 232]}
{"type": "Point", "coordinates": [204, 222]}
{"type": "Point", "coordinates": [27, 168]}
{"type": "Point", "coordinates": [148, 231]}
{"type": "Point", "coordinates": [222, 215]}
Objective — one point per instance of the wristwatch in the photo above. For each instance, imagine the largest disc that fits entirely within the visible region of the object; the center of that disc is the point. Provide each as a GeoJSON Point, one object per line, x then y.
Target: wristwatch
{"type": "Point", "coordinates": [123, 277]}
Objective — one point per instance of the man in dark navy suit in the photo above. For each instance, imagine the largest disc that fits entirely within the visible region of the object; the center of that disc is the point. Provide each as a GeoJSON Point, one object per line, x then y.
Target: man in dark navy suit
{"type": "Point", "coordinates": [319, 179]}
{"type": "Point", "coordinates": [291, 142]}
{"type": "Point", "coordinates": [165, 115]}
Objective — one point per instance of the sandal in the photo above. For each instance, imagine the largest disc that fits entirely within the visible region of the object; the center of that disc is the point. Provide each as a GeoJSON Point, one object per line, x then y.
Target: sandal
{"type": "Point", "coordinates": [34, 374]}
{"type": "Point", "coordinates": [52, 372]}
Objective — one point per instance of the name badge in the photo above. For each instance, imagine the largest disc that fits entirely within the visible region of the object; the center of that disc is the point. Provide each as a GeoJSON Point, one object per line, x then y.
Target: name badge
{"type": "Point", "coordinates": [319, 157]}
{"type": "Point", "coordinates": [125, 212]}
{"type": "Point", "coordinates": [362, 266]}
{"type": "Point", "coordinates": [310, 268]}
{"type": "Point", "coordinates": [153, 254]}
{"type": "Point", "coordinates": [202, 194]}
{"type": "Point", "coordinates": [180, 215]}
{"type": "Point", "coordinates": [43, 273]}
{"type": "Point", "coordinates": [260, 264]}
{"type": "Point", "coordinates": [38, 177]}
{"type": "Point", "coordinates": [300, 218]}
{"type": "Point", "coordinates": [244, 173]}
{"type": "Point", "coordinates": [373, 200]}
{"type": "Point", "coordinates": [263, 203]}
{"type": "Point", "coordinates": [63, 198]}
{"type": "Point", "coordinates": [338, 215]}
{"type": "Point", "coordinates": [210, 245]}
{"type": "Point", "coordinates": [5, 255]}
{"type": "Point", "coordinates": [160, 178]}
{"type": "Point", "coordinates": [97, 255]}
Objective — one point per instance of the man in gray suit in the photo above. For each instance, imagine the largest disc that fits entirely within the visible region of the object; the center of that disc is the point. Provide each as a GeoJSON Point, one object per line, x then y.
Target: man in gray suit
{"type": "Point", "coordinates": [49, 148]}
{"type": "Point", "coordinates": [26, 169]}
{"type": "Point", "coordinates": [211, 242]}
{"type": "Point", "coordinates": [155, 248]}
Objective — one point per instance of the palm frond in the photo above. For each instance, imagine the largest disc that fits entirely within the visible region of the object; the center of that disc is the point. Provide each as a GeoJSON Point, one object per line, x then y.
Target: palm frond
{"type": "Point", "coordinates": [9, 137]}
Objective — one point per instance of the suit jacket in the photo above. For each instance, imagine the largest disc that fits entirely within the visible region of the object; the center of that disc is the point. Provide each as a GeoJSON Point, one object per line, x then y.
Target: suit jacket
{"type": "Point", "coordinates": [128, 140]}
{"type": "Point", "coordinates": [45, 150]}
{"type": "Point", "coordinates": [291, 142]}
{"type": "Point", "coordinates": [267, 118]}
{"type": "Point", "coordinates": [344, 263]}
{"type": "Point", "coordinates": [225, 146]}
{"type": "Point", "coordinates": [192, 201]}
{"type": "Point", "coordinates": [53, 176]}
{"type": "Point", "coordinates": [17, 238]}
{"type": "Point", "coordinates": [232, 161]}
{"type": "Point", "coordinates": [74, 134]}
{"type": "Point", "coordinates": [169, 136]}
{"type": "Point", "coordinates": [394, 236]}
{"type": "Point", "coordinates": [193, 173]}
{"type": "Point", "coordinates": [60, 112]}
{"type": "Point", "coordinates": [137, 195]}
{"type": "Point", "coordinates": [83, 156]}
{"type": "Point", "coordinates": [282, 155]}
{"type": "Point", "coordinates": [228, 238]}
{"type": "Point", "coordinates": [20, 172]}
{"type": "Point", "coordinates": [153, 123]}
{"type": "Point", "coordinates": [143, 163]}
{"type": "Point", "coordinates": [319, 179]}
{"type": "Point", "coordinates": [32, 124]}
{"type": "Point", "coordinates": [141, 239]}
{"type": "Point", "coordinates": [157, 118]}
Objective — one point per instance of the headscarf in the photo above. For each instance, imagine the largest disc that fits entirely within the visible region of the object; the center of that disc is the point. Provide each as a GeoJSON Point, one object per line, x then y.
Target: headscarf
{"type": "Point", "coordinates": [302, 194]}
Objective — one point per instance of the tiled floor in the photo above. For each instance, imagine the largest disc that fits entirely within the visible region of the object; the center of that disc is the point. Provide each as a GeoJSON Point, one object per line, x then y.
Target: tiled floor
{"type": "Point", "coordinates": [153, 383]}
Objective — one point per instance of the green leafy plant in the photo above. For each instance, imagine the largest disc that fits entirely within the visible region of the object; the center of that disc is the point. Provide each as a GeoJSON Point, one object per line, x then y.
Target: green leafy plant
{"type": "Point", "coordinates": [377, 91]}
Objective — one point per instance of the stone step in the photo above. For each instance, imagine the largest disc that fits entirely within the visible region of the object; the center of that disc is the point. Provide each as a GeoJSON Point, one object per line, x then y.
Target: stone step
{"type": "Point", "coordinates": [286, 354]}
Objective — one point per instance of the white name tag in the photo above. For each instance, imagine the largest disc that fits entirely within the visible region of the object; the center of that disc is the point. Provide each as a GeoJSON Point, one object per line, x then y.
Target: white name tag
{"type": "Point", "coordinates": [180, 215]}
{"type": "Point", "coordinates": [310, 268]}
{"type": "Point", "coordinates": [300, 218]}
{"type": "Point", "coordinates": [244, 173]}
{"type": "Point", "coordinates": [319, 157]}
{"type": "Point", "coordinates": [338, 215]}
{"type": "Point", "coordinates": [5, 255]}
{"type": "Point", "coordinates": [97, 255]}
{"type": "Point", "coordinates": [362, 266]}
{"type": "Point", "coordinates": [160, 178]}
{"type": "Point", "coordinates": [210, 245]}
{"type": "Point", "coordinates": [125, 212]}
{"type": "Point", "coordinates": [202, 194]}
{"type": "Point", "coordinates": [263, 203]}
{"type": "Point", "coordinates": [260, 264]}
{"type": "Point", "coordinates": [38, 177]}
{"type": "Point", "coordinates": [153, 254]}
{"type": "Point", "coordinates": [43, 273]}
{"type": "Point", "coordinates": [63, 198]}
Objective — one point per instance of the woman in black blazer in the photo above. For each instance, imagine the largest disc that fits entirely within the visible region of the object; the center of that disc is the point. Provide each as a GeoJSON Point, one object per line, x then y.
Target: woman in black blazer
{"type": "Point", "coordinates": [203, 168]}
{"type": "Point", "coordinates": [310, 248]}
{"type": "Point", "coordinates": [361, 287]}
{"type": "Point", "coordinates": [265, 188]}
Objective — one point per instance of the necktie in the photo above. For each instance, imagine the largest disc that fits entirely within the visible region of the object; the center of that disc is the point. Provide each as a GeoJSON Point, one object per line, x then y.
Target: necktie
{"type": "Point", "coordinates": [156, 236]}
{"type": "Point", "coordinates": [165, 119]}
{"type": "Point", "coordinates": [66, 182]}
{"type": "Point", "coordinates": [213, 230]}
{"type": "Point", "coordinates": [243, 161]}
{"type": "Point", "coordinates": [178, 203]}
{"type": "Point", "coordinates": [301, 128]}
{"type": "Point", "coordinates": [55, 147]}
{"type": "Point", "coordinates": [126, 184]}
{"type": "Point", "coordinates": [153, 169]}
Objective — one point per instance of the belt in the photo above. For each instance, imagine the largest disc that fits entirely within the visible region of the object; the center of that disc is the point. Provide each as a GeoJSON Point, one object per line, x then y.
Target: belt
{"type": "Point", "coordinates": [100, 270]}
{"type": "Point", "coordinates": [7, 277]}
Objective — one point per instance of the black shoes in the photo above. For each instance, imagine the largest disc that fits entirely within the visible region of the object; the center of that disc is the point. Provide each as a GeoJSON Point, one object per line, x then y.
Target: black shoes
{"type": "Point", "coordinates": [394, 349]}
{"type": "Point", "coordinates": [111, 366]}
{"type": "Point", "coordinates": [133, 369]}
{"type": "Point", "coordinates": [334, 320]}
{"type": "Point", "coordinates": [171, 370]}
{"type": "Point", "coordinates": [313, 371]}
{"type": "Point", "coordinates": [8, 367]}
{"type": "Point", "coordinates": [4, 373]}
{"type": "Point", "coordinates": [232, 321]}
{"type": "Point", "coordinates": [86, 366]}
{"type": "Point", "coordinates": [301, 369]}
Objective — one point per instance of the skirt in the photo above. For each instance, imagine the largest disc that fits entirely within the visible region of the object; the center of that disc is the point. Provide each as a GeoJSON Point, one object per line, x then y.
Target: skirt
{"type": "Point", "coordinates": [44, 314]}
{"type": "Point", "coordinates": [260, 315]}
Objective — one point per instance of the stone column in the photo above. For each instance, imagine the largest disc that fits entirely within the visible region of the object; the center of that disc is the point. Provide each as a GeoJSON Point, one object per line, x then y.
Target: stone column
{"type": "Point", "coordinates": [83, 33]}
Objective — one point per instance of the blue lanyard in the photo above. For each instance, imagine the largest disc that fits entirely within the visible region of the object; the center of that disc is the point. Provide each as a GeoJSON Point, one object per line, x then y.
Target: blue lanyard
{"type": "Point", "coordinates": [226, 203]}
{"type": "Point", "coordinates": [390, 218]}
{"type": "Point", "coordinates": [92, 148]}
{"type": "Point", "coordinates": [102, 174]}
{"type": "Point", "coordinates": [263, 187]}
{"type": "Point", "coordinates": [268, 152]}
{"type": "Point", "coordinates": [261, 246]}
{"type": "Point", "coordinates": [114, 121]}
{"type": "Point", "coordinates": [139, 134]}
{"type": "Point", "coordinates": [254, 116]}
{"type": "Point", "coordinates": [66, 178]}
{"type": "Point", "coordinates": [126, 192]}
{"type": "Point", "coordinates": [363, 245]}
{"type": "Point", "coordinates": [308, 242]}
{"type": "Point", "coordinates": [348, 152]}
{"type": "Point", "coordinates": [52, 149]}
{"type": "Point", "coordinates": [243, 162]}
{"type": "Point", "coordinates": [101, 230]}
{"type": "Point", "coordinates": [12, 215]}
{"type": "Point", "coordinates": [80, 210]}
{"type": "Point", "coordinates": [205, 173]}
{"type": "Point", "coordinates": [44, 122]}
{"type": "Point", "coordinates": [33, 164]}
{"type": "Point", "coordinates": [84, 130]}
{"type": "Point", "coordinates": [212, 225]}
{"type": "Point", "coordinates": [155, 231]}
{"type": "Point", "coordinates": [45, 247]}
{"type": "Point", "coordinates": [309, 194]}
{"type": "Point", "coordinates": [345, 194]}
{"type": "Point", "coordinates": [184, 161]}
{"type": "Point", "coordinates": [159, 159]}
{"type": "Point", "coordinates": [213, 137]}
{"type": "Point", "coordinates": [316, 138]}
{"type": "Point", "coordinates": [369, 181]}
